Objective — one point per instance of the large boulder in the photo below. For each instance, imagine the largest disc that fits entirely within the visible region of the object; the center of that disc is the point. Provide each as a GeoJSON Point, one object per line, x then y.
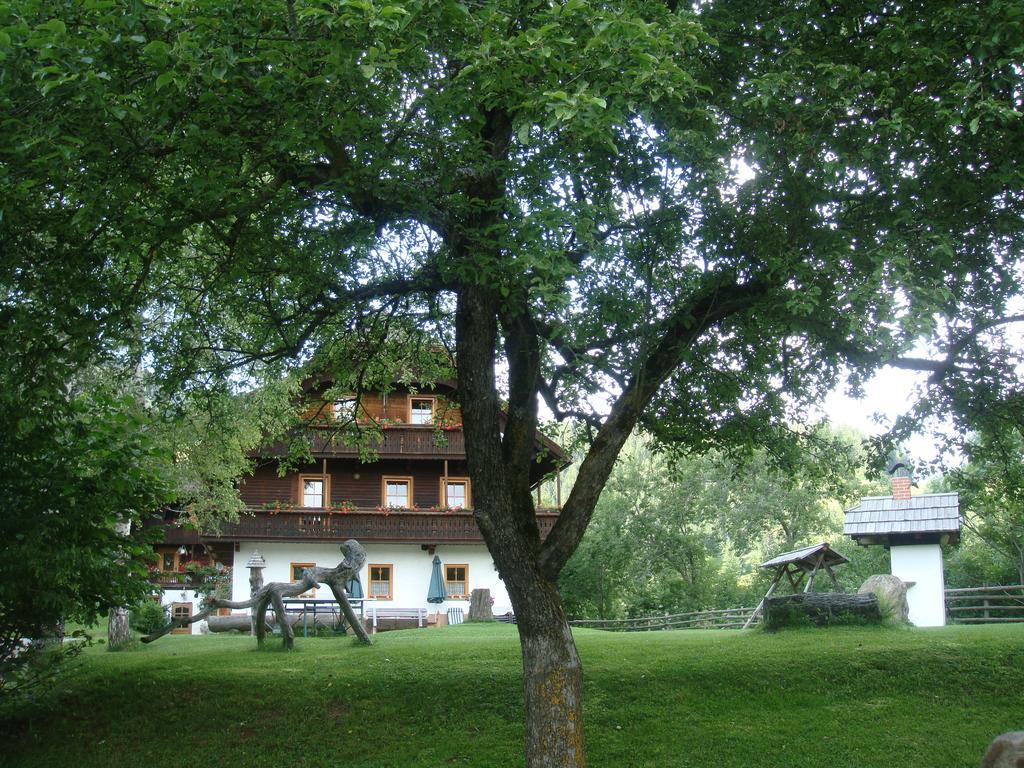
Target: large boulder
{"type": "Point", "coordinates": [1007, 751]}
{"type": "Point", "coordinates": [891, 593]}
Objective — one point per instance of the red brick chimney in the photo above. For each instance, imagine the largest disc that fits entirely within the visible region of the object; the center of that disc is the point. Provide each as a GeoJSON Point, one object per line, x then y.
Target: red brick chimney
{"type": "Point", "coordinates": [900, 472]}
{"type": "Point", "coordinates": [901, 488]}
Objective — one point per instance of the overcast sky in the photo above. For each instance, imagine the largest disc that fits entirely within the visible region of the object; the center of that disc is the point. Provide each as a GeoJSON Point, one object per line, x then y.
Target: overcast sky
{"type": "Point", "coordinates": [888, 395]}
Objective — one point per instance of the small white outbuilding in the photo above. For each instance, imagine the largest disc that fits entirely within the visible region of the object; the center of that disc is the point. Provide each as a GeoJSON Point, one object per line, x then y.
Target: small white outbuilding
{"type": "Point", "coordinates": [913, 528]}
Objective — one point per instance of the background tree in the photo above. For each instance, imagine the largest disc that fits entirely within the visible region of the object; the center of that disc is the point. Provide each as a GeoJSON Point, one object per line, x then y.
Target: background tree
{"type": "Point", "coordinates": [74, 464]}
{"type": "Point", "coordinates": [550, 187]}
{"type": "Point", "coordinates": [991, 485]}
{"type": "Point", "coordinates": [685, 533]}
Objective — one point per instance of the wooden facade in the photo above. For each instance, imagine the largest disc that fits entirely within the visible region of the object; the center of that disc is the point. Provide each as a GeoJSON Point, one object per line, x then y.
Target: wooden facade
{"type": "Point", "coordinates": [338, 496]}
{"type": "Point", "coordinates": [350, 483]}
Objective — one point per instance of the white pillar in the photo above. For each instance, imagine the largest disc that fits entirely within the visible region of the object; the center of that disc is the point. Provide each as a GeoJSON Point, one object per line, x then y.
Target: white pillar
{"type": "Point", "coordinates": [922, 565]}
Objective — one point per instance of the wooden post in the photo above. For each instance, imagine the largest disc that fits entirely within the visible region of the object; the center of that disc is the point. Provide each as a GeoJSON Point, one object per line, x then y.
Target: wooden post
{"type": "Point", "coordinates": [810, 578]}
{"type": "Point", "coordinates": [774, 584]}
{"type": "Point", "coordinates": [558, 488]}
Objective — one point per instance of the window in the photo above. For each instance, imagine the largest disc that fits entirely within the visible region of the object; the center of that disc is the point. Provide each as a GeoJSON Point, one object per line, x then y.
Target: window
{"type": "Point", "coordinates": [296, 571]}
{"type": "Point", "coordinates": [397, 492]}
{"type": "Point", "coordinates": [421, 410]}
{"type": "Point", "coordinates": [380, 582]}
{"type": "Point", "coordinates": [456, 580]}
{"type": "Point", "coordinates": [455, 493]}
{"type": "Point", "coordinates": [171, 560]}
{"type": "Point", "coordinates": [181, 611]}
{"type": "Point", "coordinates": [314, 490]}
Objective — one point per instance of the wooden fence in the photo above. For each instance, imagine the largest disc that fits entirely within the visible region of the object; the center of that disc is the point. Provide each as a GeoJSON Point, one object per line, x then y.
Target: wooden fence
{"type": "Point", "coordinates": [726, 618]}
{"type": "Point", "coordinates": [983, 605]}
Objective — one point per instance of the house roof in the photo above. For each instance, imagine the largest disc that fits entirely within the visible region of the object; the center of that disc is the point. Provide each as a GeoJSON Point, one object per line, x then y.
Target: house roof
{"type": "Point", "coordinates": [807, 556]}
{"type": "Point", "coordinates": [881, 515]}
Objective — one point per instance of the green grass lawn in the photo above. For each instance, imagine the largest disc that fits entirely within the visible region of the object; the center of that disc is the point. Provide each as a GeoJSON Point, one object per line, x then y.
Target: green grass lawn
{"type": "Point", "coordinates": [857, 697]}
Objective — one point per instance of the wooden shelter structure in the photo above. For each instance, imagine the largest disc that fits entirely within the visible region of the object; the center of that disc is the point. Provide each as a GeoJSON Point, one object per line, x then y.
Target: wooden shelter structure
{"type": "Point", "coordinates": [798, 565]}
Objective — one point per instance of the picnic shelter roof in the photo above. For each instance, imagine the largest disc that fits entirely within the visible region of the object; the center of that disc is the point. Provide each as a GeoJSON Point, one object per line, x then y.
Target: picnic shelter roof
{"type": "Point", "coordinates": [807, 558]}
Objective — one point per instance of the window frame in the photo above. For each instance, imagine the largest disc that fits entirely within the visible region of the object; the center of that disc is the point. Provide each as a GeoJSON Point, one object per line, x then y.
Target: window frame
{"type": "Point", "coordinates": [164, 552]}
{"type": "Point", "coordinates": [385, 479]}
{"type": "Point", "coordinates": [447, 581]}
{"type": "Point", "coordinates": [187, 629]}
{"type": "Point", "coordinates": [311, 594]}
{"type": "Point", "coordinates": [446, 481]}
{"type": "Point", "coordinates": [370, 581]}
{"type": "Point", "coordinates": [325, 479]}
{"type": "Point", "coordinates": [433, 410]}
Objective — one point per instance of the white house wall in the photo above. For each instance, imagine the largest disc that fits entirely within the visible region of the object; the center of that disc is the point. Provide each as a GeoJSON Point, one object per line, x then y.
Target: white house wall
{"type": "Point", "coordinates": [411, 570]}
{"type": "Point", "coordinates": [171, 596]}
{"type": "Point", "coordinates": [922, 564]}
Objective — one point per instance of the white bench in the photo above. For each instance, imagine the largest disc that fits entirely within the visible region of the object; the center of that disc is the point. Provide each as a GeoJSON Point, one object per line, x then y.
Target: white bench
{"type": "Point", "coordinates": [419, 614]}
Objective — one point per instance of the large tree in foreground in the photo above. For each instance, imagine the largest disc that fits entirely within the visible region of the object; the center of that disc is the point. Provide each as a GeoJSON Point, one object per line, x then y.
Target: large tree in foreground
{"type": "Point", "coordinates": [690, 219]}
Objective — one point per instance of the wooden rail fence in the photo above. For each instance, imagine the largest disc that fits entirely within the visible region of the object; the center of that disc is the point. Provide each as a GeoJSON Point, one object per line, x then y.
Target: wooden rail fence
{"type": "Point", "coordinates": [983, 605]}
{"type": "Point", "coordinates": [726, 618]}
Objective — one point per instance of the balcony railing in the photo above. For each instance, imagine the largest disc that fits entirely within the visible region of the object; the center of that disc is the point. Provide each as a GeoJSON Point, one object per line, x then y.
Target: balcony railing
{"type": "Point", "coordinates": [396, 441]}
{"type": "Point", "coordinates": [170, 578]}
{"type": "Point", "coordinates": [365, 525]}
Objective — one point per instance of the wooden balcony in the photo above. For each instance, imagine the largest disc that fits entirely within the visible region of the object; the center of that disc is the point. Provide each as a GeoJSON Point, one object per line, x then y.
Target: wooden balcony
{"type": "Point", "coordinates": [171, 579]}
{"type": "Point", "coordinates": [406, 441]}
{"type": "Point", "coordinates": [364, 525]}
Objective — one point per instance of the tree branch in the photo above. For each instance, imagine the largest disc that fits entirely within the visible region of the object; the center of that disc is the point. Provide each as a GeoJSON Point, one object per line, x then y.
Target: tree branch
{"type": "Point", "coordinates": [677, 333]}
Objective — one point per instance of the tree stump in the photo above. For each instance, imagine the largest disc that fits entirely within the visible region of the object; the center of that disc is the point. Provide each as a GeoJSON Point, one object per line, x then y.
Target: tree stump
{"type": "Point", "coordinates": [480, 605]}
{"type": "Point", "coordinates": [821, 609]}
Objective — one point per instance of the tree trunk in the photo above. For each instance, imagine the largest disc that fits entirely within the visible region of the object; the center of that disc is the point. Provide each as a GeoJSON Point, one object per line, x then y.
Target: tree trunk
{"type": "Point", "coordinates": [119, 633]}
{"type": "Point", "coordinates": [552, 679]}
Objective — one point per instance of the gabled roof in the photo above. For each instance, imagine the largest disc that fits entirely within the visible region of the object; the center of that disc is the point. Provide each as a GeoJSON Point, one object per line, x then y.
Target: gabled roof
{"type": "Point", "coordinates": [807, 556]}
{"type": "Point", "coordinates": [882, 515]}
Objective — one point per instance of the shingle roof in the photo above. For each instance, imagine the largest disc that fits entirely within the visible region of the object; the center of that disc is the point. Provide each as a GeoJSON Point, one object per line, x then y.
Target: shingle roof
{"type": "Point", "coordinates": [808, 554]}
{"type": "Point", "coordinates": [931, 512]}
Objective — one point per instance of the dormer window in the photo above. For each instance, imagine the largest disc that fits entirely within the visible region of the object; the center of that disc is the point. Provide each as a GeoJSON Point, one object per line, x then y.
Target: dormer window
{"type": "Point", "coordinates": [421, 410]}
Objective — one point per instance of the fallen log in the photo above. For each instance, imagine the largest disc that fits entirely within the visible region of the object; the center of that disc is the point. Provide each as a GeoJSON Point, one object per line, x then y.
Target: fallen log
{"type": "Point", "coordinates": [821, 609]}
{"type": "Point", "coordinates": [353, 558]}
{"type": "Point", "coordinates": [242, 622]}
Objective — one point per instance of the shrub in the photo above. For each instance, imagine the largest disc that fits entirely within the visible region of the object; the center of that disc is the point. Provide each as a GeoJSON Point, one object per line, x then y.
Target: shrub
{"type": "Point", "coordinates": [148, 617]}
{"type": "Point", "coordinates": [30, 668]}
